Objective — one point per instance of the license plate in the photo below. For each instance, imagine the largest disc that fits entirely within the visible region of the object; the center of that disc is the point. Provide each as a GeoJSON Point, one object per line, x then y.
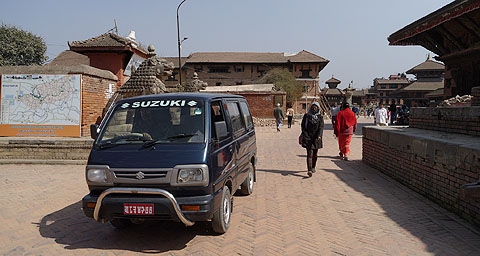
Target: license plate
{"type": "Point", "coordinates": [138, 209]}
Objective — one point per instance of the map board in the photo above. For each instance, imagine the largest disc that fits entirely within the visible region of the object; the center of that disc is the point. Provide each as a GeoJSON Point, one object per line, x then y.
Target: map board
{"type": "Point", "coordinates": [40, 105]}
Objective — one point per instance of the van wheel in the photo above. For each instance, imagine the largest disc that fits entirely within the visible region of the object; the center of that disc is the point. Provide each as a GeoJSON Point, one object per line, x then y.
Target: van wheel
{"type": "Point", "coordinates": [221, 217]}
{"type": "Point", "coordinates": [121, 223]}
{"type": "Point", "coordinates": [247, 186]}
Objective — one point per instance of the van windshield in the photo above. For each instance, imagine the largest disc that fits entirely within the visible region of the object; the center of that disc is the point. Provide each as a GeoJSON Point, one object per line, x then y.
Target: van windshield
{"type": "Point", "coordinates": [159, 121]}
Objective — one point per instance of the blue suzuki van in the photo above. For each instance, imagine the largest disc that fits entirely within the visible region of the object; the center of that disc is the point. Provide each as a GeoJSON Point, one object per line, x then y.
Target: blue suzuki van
{"type": "Point", "coordinates": [176, 156]}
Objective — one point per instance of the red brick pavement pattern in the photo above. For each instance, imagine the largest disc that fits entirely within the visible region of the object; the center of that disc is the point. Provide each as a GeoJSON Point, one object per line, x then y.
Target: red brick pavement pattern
{"type": "Point", "coordinates": [346, 208]}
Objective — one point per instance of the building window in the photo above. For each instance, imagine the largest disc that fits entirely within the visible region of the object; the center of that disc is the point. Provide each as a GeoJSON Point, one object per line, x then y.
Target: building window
{"type": "Point", "coordinates": [219, 69]}
{"type": "Point", "coordinates": [304, 106]}
{"type": "Point", "coordinates": [305, 73]}
{"type": "Point", "coordinates": [383, 86]}
{"type": "Point", "coordinates": [238, 83]}
{"type": "Point", "coordinates": [198, 68]}
{"type": "Point", "coordinates": [239, 68]}
{"type": "Point", "coordinates": [393, 86]}
{"type": "Point", "coordinates": [218, 84]}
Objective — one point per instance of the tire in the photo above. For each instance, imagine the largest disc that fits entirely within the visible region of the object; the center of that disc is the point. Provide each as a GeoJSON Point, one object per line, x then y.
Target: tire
{"type": "Point", "coordinates": [247, 186]}
{"type": "Point", "coordinates": [121, 223]}
{"type": "Point", "coordinates": [221, 217]}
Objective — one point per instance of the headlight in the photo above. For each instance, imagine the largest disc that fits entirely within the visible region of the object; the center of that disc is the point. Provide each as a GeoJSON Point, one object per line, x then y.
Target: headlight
{"type": "Point", "coordinates": [97, 175]}
{"type": "Point", "coordinates": [191, 175]}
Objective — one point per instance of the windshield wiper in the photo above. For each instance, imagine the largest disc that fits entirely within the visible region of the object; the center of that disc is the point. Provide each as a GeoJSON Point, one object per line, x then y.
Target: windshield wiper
{"type": "Point", "coordinates": [150, 143]}
{"type": "Point", "coordinates": [181, 135]}
{"type": "Point", "coordinates": [112, 143]}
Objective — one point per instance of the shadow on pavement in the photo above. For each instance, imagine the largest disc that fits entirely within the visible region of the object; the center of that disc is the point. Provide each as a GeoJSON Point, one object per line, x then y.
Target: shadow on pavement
{"type": "Point", "coordinates": [329, 157]}
{"type": "Point", "coordinates": [286, 173]}
{"type": "Point", "coordinates": [70, 227]}
{"type": "Point", "coordinates": [407, 209]}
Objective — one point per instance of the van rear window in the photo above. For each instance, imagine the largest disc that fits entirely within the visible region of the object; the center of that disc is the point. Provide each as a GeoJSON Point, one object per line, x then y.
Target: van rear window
{"type": "Point", "coordinates": [237, 120]}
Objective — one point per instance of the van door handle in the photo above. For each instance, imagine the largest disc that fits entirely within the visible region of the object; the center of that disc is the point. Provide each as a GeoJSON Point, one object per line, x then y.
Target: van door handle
{"type": "Point", "coordinates": [230, 149]}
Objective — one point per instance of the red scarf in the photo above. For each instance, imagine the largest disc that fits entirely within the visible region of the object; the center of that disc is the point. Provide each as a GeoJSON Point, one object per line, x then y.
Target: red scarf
{"type": "Point", "coordinates": [345, 119]}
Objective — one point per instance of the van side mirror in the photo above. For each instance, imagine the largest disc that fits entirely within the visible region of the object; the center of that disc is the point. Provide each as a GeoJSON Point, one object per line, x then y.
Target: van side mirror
{"type": "Point", "coordinates": [94, 131]}
{"type": "Point", "coordinates": [221, 131]}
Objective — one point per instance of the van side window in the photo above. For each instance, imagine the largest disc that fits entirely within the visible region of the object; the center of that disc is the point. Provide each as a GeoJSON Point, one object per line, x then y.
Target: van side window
{"type": "Point", "coordinates": [247, 117]}
{"type": "Point", "coordinates": [218, 121]}
{"type": "Point", "coordinates": [237, 120]}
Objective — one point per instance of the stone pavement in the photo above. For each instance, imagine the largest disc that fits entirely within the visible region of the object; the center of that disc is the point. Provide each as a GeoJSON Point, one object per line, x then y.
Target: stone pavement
{"type": "Point", "coordinates": [346, 208]}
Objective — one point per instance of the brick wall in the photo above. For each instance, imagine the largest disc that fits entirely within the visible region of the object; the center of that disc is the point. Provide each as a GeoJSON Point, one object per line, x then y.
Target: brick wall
{"type": "Point", "coordinates": [433, 164]}
{"type": "Point", "coordinates": [94, 98]}
{"type": "Point", "coordinates": [262, 105]}
{"type": "Point", "coordinates": [463, 120]}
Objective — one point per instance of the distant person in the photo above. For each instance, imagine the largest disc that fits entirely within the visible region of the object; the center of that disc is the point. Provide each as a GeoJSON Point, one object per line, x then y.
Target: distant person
{"type": "Point", "coordinates": [381, 116]}
{"type": "Point", "coordinates": [355, 110]}
{"type": "Point", "coordinates": [312, 133]}
{"type": "Point", "coordinates": [344, 128]}
{"type": "Point", "coordinates": [333, 112]}
{"type": "Point", "coordinates": [290, 114]}
{"type": "Point", "coordinates": [393, 112]}
{"type": "Point", "coordinates": [279, 116]}
{"type": "Point", "coordinates": [369, 112]}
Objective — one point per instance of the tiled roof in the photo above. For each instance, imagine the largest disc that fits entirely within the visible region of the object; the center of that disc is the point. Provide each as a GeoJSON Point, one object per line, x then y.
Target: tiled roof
{"type": "Point", "coordinates": [437, 93]}
{"type": "Point", "coordinates": [333, 80]}
{"type": "Point", "coordinates": [241, 88]}
{"type": "Point", "coordinates": [388, 81]}
{"type": "Point", "coordinates": [254, 57]}
{"type": "Point", "coordinates": [58, 69]}
{"type": "Point", "coordinates": [427, 65]}
{"type": "Point", "coordinates": [334, 91]}
{"type": "Point", "coordinates": [106, 40]}
{"type": "Point", "coordinates": [174, 60]}
{"type": "Point", "coordinates": [70, 58]}
{"type": "Point", "coordinates": [424, 86]}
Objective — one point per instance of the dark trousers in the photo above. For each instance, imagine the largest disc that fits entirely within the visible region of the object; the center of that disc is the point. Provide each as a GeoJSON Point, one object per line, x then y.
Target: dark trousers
{"type": "Point", "coordinates": [290, 118]}
{"type": "Point", "coordinates": [311, 158]}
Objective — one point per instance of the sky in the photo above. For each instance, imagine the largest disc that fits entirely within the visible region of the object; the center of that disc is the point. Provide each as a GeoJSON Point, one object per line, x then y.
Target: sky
{"type": "Point", "coordinates": [351, 34]}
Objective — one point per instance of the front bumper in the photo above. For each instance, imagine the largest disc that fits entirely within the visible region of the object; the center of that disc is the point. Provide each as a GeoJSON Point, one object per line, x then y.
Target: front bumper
{"type": "Point", "coordinates": [109, 205]}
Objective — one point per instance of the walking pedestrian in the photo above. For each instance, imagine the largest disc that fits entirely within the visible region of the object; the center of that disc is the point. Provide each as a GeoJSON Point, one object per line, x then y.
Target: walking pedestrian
{"type": "Point", "coordinates": [381, 116]}
{"type": "Point", "coordinates": [333, 112]}
{"type": "Point", "coordinates": [279, 116]}
{"type": "Point", "coordinates": [312, 132]}
{"type": "Point", "coordinates": [290, 114]}
{"type": "Point", "coordinates": [345, 126]}
{"type": "Point", "coordinates": [393, 112]}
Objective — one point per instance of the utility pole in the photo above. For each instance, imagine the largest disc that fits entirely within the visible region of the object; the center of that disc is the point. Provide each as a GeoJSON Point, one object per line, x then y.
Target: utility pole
{"type": "Point", "coordinates": [179, 54]}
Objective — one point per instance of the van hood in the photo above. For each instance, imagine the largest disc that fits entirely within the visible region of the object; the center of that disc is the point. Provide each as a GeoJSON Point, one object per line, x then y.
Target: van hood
{"type": "Point", "coordinates": [159, 156]}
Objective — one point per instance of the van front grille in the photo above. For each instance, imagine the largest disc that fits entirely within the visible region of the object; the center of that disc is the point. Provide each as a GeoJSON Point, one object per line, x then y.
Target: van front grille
{"type": "Point", "coordinates": [140, 175]}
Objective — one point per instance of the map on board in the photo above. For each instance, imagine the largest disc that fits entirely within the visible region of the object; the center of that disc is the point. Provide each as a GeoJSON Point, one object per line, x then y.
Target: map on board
{"type": "Point", "coordinates": [40, 99]}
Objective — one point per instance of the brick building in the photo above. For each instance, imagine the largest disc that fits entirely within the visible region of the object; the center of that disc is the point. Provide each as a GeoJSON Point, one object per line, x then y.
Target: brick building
{"type": "Point", "coordinates": [384, 89]}
{"type": "Point", "coordinates": [261, 98]}
{"type": "Point", "coordinates": [239, 68]}
{"type": "Point", "coordinates": [429, 78]}
{"type": "Point", "coordinates": [110, 52]}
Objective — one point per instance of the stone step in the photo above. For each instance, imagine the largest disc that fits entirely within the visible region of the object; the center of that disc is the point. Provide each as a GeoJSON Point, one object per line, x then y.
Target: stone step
{"type": "Point", "coordinates": [44, 150]}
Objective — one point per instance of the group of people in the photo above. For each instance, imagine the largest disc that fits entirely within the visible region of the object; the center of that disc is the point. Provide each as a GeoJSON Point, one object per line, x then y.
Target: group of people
{"type": "Point", "coordinates": [344, 121]}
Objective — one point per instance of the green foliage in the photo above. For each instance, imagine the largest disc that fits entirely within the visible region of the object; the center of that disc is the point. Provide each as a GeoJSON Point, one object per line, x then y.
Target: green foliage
{"type": "Point", "coordinates": [283, 80]}
{"type": "Point", "coordinates": [20, 48]}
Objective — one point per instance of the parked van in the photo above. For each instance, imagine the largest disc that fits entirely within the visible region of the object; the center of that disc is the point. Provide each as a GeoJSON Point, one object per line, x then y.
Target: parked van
{"type": "Point", "coordinates": [176, 157]}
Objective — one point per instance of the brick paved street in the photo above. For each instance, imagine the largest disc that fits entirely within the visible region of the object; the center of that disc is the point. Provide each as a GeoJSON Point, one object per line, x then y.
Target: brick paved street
{"type": "Point", "coordinates": [346, 208]}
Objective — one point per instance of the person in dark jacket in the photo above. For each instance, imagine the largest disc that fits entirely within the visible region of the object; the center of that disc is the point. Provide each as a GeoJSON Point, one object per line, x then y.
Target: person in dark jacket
{"type": "Point", "coordinates": [279, 116]}
{"type": "Point", "coordinates": [312, 132]}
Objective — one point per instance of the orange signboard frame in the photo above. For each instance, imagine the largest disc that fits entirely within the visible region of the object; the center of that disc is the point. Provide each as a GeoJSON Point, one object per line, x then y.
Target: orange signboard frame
{"type": "Point", "coordinates": [35, 130]}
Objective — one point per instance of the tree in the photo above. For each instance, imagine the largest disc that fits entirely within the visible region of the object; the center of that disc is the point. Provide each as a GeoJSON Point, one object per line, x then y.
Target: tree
{"type": "Point", "coordinates": [20, 48]}
{"type": "Point", "coordinates": [283, 80]}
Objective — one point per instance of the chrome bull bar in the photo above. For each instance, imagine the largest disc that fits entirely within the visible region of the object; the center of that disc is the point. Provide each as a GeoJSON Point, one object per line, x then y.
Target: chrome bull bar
{"type": "Point", "coordinates": [150, 191]}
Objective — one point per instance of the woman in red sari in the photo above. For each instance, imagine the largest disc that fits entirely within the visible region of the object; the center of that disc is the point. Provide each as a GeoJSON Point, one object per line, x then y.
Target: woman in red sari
{"type": "Point", "coordinates": [345, 126]}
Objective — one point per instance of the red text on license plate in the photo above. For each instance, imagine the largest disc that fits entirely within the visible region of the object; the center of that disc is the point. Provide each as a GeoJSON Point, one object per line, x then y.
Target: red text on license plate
{"type": "Point", "coordinates": [138, 209]}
